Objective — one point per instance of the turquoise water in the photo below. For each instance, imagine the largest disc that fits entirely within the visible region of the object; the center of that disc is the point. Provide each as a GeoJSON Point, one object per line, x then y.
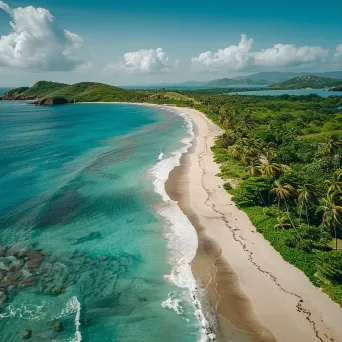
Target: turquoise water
{"type": "Point", "coordinates": [86, 227]}
{"type": "Point", "coordinates": [320, 92]}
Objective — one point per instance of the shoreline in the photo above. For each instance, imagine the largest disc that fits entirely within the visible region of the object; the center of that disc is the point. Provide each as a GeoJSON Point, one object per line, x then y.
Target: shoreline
{"type": "Point", "coordinates": [208, 267]}
{"type": "Point", "coordinates": [256, 292]}
{"type": "Point", "coordinates": [257, 295]}
{"type": "Point", "coordinates": [236, 320]}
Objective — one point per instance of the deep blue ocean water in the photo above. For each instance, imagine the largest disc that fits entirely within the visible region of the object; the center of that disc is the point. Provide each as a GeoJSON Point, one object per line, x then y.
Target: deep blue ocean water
{"type": "Point", "coordinates": [84, 240]}
{"type": "Point", "coordinates": [320, 92]}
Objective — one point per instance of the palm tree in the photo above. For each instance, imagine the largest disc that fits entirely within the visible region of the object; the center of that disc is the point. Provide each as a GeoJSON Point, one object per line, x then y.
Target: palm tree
{"type": "Point", "coordinates": [269, 152]}
{"type": "Point", "coordinates": [247, 123]}
{"type": "Point", "coordinates": [332, 145]}
{"type": "Point", "coordinates": [248, 153]}
{"type": "Point", "coordinates": [283, 222]}
{"type": "Point", "coordinates": [225, 115]}
{"type": "Point", "coordinates": [254, 146]}
{"type": "Point", "coordinates": [227, 122]}
{"type": "Point", "coordinates": [335, 185]}
{"type": "Point", "coordinates": [306, 198]}
{"type": "Point", "coordinates": [270, 169]}
{"type": "Point", "coordinates": [254, 168]}
{"type": "Point", "coordinates": [227, 140]}
{"type": "Point", "coordinates": [284, 192]}
{"type": "Point", "coordinates": [332, 213]}
{"type": "Point", "coordinates": [246, 158]}
{"type": "Point", "coordinates": [235, 151]}
{"type": "Point", "coordinates": [292, 133]}
{"type": "Point", "coordinates": [241, 139]}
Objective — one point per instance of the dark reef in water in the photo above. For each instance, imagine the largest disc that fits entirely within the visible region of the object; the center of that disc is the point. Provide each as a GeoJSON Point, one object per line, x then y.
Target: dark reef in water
{"type": "Point", "coordinates": [18, 269]}
{"type": "Point", "coordinates": [90, 237]}
{"type": "Point", "coordinates": [23, 269]}
{"type": "Point", "coordinates": [62, 209]}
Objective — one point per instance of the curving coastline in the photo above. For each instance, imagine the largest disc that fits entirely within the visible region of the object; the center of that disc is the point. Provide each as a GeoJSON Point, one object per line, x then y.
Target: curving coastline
{"type": "Point", "coordinates": [257, 295]}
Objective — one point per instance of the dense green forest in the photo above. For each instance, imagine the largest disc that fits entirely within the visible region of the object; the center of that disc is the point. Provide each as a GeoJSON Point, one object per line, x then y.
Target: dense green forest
{"type": "Point", "coordinates": [281, 158]}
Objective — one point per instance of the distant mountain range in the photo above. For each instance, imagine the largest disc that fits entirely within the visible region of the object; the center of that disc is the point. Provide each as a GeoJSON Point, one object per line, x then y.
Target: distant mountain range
{"type": "Point", "coordinates": [220, 82]}
{"type": "Point", "coordinates": [302, 82]}
{"type": "Point", "coordinates": [278, 76]}
{"type": "Point", "coordinates": [238, 82]}
{"type": "Point", "coordinates": [261, 78]}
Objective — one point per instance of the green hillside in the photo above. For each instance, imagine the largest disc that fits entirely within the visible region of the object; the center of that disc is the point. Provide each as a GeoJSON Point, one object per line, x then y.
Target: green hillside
{"type": "Point", "coordinates": [42, 88]}
{"type": "Point", "coordinates": [49, 93]}
{"type": "Point", "coordinates": [15, 93]}
{"type": "Point", "coordinates": [242, 81]}
{"type": "Point", "coordinates": [38, 90]}
{"type": "Point", "coordinates": [88, 92]}
{"type": "Point", "coordinates": [303, 82]}
{"type": "Point", "coordinates": [172, 95]}
{"type": "Point", "coordinates": [59, 93]}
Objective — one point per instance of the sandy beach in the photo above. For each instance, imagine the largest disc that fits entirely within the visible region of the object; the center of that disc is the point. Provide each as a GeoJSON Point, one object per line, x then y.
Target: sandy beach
{"type": "Point", "coordinates": [255, 292]}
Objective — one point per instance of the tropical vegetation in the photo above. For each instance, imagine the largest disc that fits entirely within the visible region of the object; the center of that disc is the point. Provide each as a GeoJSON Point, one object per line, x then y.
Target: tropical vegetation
{"type": "Point", "coordinates": [281, 158]}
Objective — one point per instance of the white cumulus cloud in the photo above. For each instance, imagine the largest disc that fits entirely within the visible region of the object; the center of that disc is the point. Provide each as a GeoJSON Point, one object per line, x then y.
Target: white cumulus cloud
{"type": "Point", "coordinates": [36, 42]}
{"type": "Point", "coordinates": [288, 55]}
{"type": "Point", "coordinates": [338, 51]}
{"type": "Point", "coordinates": [143, 61]}
{"type": "Point", "coordinates": [241, 56]}
{"type": "Point", "coordinates": [232, 57]}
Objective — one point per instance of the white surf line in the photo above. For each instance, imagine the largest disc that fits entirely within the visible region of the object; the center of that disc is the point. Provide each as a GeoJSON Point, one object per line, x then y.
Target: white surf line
{"type": "Point", "coordinates": [183, 233]}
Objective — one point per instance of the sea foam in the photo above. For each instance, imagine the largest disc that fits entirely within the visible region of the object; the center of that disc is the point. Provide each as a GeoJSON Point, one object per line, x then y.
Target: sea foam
{"type": "Point", "coordinates": [181, 235]}
{"type": "Point", "coordinates": [73, 306]}
{"type": "Point", "coordinates": [24, 311]}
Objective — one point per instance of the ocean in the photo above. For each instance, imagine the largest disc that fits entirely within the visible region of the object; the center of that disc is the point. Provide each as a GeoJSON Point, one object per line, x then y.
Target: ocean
{"type": "Point", "coordinates": [91, 246]}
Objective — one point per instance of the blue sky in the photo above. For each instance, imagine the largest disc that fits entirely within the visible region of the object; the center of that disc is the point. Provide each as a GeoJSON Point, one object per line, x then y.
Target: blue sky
{"type": "Point", "coordinates": [165, 41]}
